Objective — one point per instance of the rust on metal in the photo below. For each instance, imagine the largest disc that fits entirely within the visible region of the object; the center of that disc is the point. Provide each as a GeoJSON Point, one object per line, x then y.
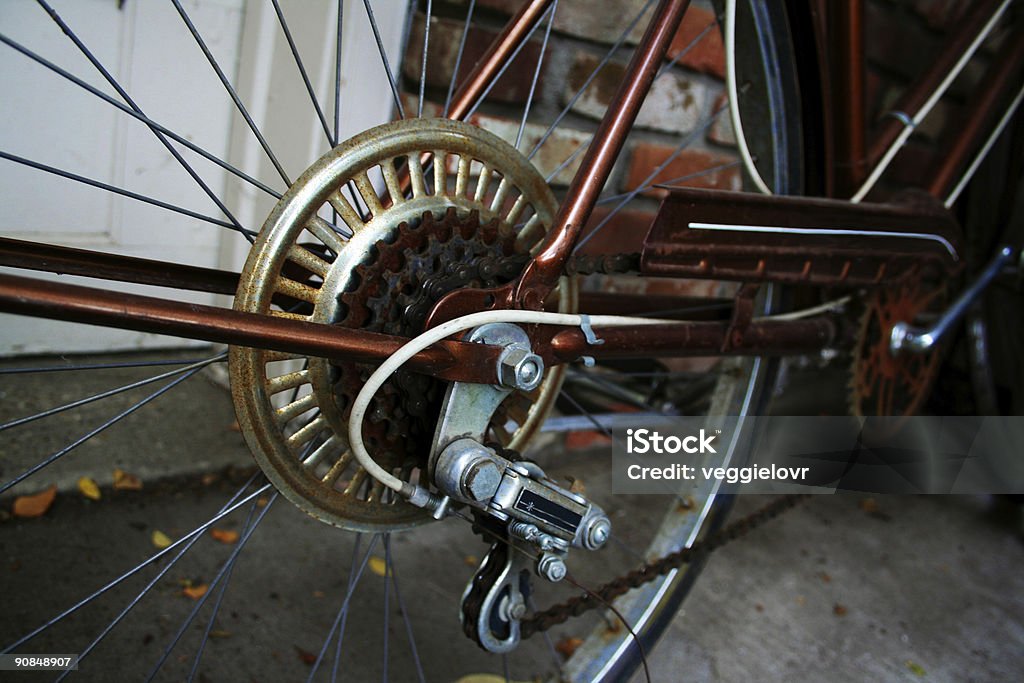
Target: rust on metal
{"type": "Point", "coordinates": [749, 237]}
{"type": "Point", "coordinates": [540, 276]}
{"type": "Point", "coordinates": [82, 262]}
{"type": "Point", "coordinates": [456, 361]}
{"type": "Point", "coordinates": [846, 37]}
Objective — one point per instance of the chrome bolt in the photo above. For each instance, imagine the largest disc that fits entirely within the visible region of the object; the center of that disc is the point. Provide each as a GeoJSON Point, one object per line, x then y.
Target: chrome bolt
{"type": "Point", "coordinates": [517, 611]}
{"type": "Point", "coordinates": [598, 533]}
{"type": "Point", "coordinates": [481, 479]}
{"type": "Point", "coordinates": [520, 369]}
{"type": "Point", "coordinates": [552, 568]}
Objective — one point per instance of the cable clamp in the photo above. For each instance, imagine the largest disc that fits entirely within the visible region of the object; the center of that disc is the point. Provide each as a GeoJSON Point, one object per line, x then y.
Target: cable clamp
{"type": "Point", "coordinates": [588, 331]}
{"type": "Point", "coordinates": [903, 117]}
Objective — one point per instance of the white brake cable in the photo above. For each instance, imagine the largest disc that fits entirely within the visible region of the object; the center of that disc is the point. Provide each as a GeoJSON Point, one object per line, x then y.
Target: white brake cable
{"type": "Point", "coordinates": [734, 104]}
{"type": "Point", "coordinates": [417, 344]}
{"type": "Point", "coordinates": [909, 124]}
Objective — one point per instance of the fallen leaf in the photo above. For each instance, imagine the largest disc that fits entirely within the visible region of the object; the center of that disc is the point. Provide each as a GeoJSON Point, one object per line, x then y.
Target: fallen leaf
{"type": "Point", "coordinates": [307, 657]}
{"type": "Point", "coordinates": [160, 539]}
{"type": "Point", "coordinates": [195, 592]}
{"type": "Point", "coordinates": [868, 505]}
{"type": "Point", "coordinates": [471, 560]}
{"type": "Point", "coordinates": [89, 488]}
{"type": "Point", "coordinates": [319, 594]}
{"type": "Point", "coordinates": [378, 566]}
{"type": "Point", "coordinates": [224, 535]}
{"type": "Point", "coordinates": [825, 577]}
{"type": "Point", "coordinates": [916, 668]}
{"type": "Point", "coordinates": [839, 610]}
{"type": "Point", "coordinates": [220, 633]}
{"type": "Point", "coordinates": [235, 427]}
{"type": "Point", "coordinates": [35, 505]}
{"type": "Point", "coordinates": [566, 646]}
{"type": "Point", "coordinates": [209, 478]}
{"type": "Point", "coordinates": [261, 502]}
{"type": "Point", "coordinates": [123, 481]}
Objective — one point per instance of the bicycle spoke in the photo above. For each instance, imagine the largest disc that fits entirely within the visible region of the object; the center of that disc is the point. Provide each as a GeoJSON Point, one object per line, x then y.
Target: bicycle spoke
{"type": "Point", "coordinates": [149, 586]}
{"type": "Point", "coordinates": [590, 79]}
{"type": "Point", "coordinates": [673, 182]}
{"type": "Point", "coordinates": [405, 615]}
{"type": "Point", "coordinates": [337, 77]}
{"type": "Point", "coordinates": [63, 73]}
{"type": "Point", "coordinates": [423, 65]}
{"type": "Point", "coordinates": [586, 413]}
{"type": "Point", "coordinates": [351, 578]}
{"type": "Point", "coordinates": [131, 103]}
{"type": "Point", "coordinates": [458, 58]}
{"type": "Point", "coordinates": [231, 91]}
{"type": "Point", "coordinates": [109, 423]}
{"type": "Point", "coordinates": [687, 141]}
{"type": "Point", "coordinates": [302, 72]}
{"type": "Point", "coordinates": [94, 366]}
{"type": "Point", "coordinates": [555, 659]}
{"type": "Point", "coordinates": [501, 72]}
{"type": "Point", "coordinates": [224, 512]}
{"type": "Point", "coordinates": [387, 612]}
{"type": "Point", "coordinates": [249, 234]}
{"type": "Point", "coordinates": [339, 621]}
{"type": "Point", "coordinates": [536, 73]}
{"type": "Point", "coordinates": [109, 393]}
{"type": "Point", "coordinates": [384, 59]}
{"type": "Point", "coordinates": [239, 546]}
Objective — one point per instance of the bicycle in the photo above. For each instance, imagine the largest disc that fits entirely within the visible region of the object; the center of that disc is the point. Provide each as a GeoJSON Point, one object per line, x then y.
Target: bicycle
{"type": "Point", "coordinates": [352, 263]}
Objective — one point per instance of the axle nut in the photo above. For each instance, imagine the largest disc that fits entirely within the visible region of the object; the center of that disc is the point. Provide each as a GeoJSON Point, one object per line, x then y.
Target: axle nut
{"type": "Point", "coordinates": [520, 369]}
{"type": "Point", "coordinates": [481, 480]}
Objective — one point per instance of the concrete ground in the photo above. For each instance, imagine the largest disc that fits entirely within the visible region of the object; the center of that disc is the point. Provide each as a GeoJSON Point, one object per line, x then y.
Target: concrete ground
{"type": "Point", "coordinates": [841, 589]}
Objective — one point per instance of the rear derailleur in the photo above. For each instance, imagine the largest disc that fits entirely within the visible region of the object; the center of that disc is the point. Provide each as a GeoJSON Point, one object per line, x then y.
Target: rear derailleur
{"type": "Point", "coordinates": [531, 521]}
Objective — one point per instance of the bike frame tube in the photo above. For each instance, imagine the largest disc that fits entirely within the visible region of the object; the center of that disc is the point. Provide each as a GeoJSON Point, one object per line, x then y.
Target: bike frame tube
{"type": "Point", "coordinates": [68, 302]}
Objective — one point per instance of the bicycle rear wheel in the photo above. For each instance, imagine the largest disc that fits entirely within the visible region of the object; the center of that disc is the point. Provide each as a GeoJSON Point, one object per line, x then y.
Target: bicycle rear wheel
{"type": "Point", "coordinates": [737, 388]}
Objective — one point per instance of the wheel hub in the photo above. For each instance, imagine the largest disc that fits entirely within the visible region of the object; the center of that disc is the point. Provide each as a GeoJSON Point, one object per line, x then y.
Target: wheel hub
{"type": "Point", "coordinates": [370, 237]}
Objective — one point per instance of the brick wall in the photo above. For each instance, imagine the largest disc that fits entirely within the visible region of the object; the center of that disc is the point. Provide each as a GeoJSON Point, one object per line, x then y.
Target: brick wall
{"type": "Point", "coordinates": [583, 31]}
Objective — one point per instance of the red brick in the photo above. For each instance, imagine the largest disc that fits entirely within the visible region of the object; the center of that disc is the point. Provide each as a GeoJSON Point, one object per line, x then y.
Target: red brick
{"type": "Point", "coordinates": [721, 132]}
{"type": "Point", "coordinates": [562, 143]}
{"type": "Point", "coordinates": [445, 36]}
{"type": "Point", "coordinates": [675, 103]}
{"type": "Point", "coordinates": [647, 156]}
{"type": "Point", "coordinates": [708, 54]}
{"type": "Point", "coordinates": [579, 18]}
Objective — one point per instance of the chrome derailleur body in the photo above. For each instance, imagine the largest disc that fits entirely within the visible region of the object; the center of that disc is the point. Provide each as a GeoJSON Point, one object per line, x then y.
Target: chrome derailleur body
{"type": "Point", "coordinates": [532, 521]}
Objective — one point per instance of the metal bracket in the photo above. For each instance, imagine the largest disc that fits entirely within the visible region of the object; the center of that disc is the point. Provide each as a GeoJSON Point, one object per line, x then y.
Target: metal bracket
{"type": "Point", "coordinates": [742, 315]}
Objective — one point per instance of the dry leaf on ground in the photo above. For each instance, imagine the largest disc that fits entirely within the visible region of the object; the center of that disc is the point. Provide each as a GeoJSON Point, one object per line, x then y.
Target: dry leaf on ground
{"type": "Point", "coordinates": [378, 566]}
{"type": "Point", "coordinates": [224, 535]}
{"type": "Point", "coordinates": [195, 592]}
{"type": "Point", "coordinates": [307, 657]}
{"type": "Point", "coordinates": [35, 505]}
{"type": "Point", "coordinates": [89, 488]}
{"type": "Point", "coordinates": [160, 539]}
{"type": "Point", "coordinates": [123, 481]}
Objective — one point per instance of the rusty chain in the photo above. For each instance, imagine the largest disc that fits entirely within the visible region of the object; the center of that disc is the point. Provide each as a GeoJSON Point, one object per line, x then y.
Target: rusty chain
{"type": "Point", "coordinates": [578, 605]}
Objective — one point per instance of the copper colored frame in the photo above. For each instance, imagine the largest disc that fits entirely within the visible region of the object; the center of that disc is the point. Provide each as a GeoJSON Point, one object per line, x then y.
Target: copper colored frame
{"type": "Point", "coordinates": [841, 73]}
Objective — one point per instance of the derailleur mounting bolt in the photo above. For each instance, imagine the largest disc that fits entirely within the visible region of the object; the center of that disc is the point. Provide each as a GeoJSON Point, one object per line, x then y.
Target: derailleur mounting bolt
{"type": "Point", "coordinates": [552, 568]}
{"type": "Point", "coordinates": [597, 534]}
